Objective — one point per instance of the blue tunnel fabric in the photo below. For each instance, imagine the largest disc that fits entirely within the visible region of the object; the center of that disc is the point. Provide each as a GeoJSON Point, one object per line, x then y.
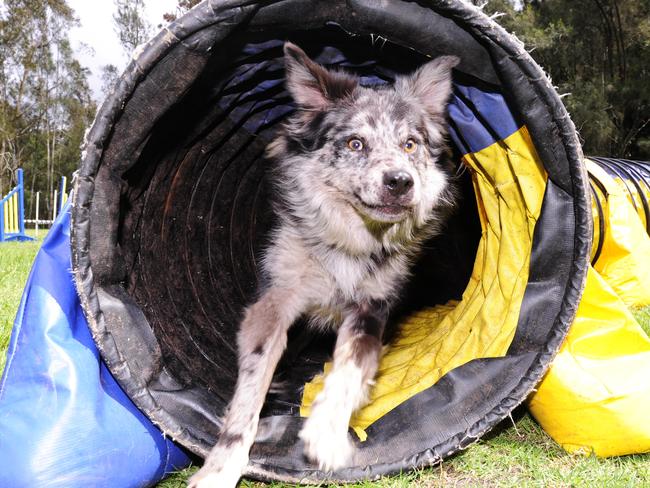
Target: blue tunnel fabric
{"type": "Point", "coordinates": [479, 118]}
{"type": "Point", "coordinates": [64, 421]}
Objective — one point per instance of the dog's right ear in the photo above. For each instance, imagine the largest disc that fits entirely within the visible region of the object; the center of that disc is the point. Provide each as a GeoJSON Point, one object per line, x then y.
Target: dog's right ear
{"type": "Point", "coordinates": [312, 86]}
{"type": "Point", "coordinates": [431, 84]}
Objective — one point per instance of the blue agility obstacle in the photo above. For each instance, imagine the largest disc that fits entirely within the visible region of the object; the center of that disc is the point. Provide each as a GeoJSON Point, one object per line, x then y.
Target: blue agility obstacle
{"type": "Point", "coordinates": [64, 420]}
{"type": "Point", "coordinates": [12, 213]}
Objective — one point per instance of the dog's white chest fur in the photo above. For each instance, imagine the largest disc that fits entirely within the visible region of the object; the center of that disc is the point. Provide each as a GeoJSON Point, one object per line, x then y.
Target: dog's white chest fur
{"type": "Point", "coordinates": [331, 278]}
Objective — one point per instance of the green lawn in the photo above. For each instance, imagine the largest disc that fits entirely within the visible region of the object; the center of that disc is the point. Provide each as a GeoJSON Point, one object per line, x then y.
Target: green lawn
{"type": "Point", "coordinates": [15, 262]}
{"type": "Point", "coordinates": [517, 454]}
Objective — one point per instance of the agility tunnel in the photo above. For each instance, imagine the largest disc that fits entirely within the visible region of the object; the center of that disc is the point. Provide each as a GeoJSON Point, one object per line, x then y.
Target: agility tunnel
{"type": "Point", "coordinates": [170, 212]}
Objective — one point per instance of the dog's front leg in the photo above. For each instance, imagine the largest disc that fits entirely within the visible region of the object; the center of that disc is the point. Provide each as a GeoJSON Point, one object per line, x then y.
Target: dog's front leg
{"type": "Point", "coordinates": [261, 340]}
{"type": "Point", "coordinates": [356, 357]}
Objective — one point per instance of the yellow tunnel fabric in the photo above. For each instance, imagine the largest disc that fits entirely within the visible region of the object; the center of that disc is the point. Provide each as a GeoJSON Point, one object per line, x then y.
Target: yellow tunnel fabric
{"type": "Point", "coordinates": [633, 196]}
{"type": "Point", "coordinates": [624, 261]}
{"type": "Point", "coordinates": [595, 396]}
{"type": "Point", "coordinates": [594, 399]}
{"type": "Point", "coordinates": [509, 182]}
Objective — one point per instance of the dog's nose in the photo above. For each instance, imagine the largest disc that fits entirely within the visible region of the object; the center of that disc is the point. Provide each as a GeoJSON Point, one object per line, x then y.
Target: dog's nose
{"type": "Point", "coordinates": [398, 182]}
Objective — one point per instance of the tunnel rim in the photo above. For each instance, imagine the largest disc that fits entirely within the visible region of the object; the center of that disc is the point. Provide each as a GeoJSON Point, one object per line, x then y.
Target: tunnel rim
{"type": "Point", "coordinates": [471, 19]}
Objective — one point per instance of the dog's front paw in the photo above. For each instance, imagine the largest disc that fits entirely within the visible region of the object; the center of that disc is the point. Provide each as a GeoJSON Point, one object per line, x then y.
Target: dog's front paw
{"type": "Point", "coordinates": [210, 479]}
{"type": "Point", "coordinates": [325, 444]}
{"type": "Point", "coordinates": [222, 469]}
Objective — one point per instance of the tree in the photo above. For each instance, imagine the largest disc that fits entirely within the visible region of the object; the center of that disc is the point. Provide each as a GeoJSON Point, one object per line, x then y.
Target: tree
{"type": "Point", "coordinates": [110, 75]}
{"type": "Point", "coordinates": [130, 24]}
{"type": "Point", "coordinates": [182, 7]}
{"type": "Point", "coordinates": [597, 52]}
{"type": "Point", "coordinates": [45, 102]}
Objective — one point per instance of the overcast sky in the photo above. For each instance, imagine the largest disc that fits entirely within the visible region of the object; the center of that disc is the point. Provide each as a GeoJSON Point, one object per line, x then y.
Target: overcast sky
{"type": "Point", "coordinates": [95, 40]}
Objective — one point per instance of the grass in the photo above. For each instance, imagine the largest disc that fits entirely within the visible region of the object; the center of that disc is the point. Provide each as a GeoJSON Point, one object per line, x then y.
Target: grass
{"type": "Point", "coordinates": [642, 316]}
{"type": "Point", "coordinates": [15, 262]}
{"type": "Point", "coordinates": [516, 454]}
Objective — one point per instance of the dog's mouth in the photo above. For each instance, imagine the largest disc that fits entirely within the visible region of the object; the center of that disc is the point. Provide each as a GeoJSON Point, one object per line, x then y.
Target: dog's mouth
{"type": "Point", "coordinates": [388, 213]}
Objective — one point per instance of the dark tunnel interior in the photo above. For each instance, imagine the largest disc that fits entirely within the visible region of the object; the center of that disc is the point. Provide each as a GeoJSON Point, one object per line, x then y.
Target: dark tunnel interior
{"type": "Point", "coordinates": [196, 212]}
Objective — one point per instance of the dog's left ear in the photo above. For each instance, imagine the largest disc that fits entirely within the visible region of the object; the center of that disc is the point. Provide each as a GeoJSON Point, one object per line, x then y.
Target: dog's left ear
{"type": "Point", "coordinates": [430, 84]}
{"type": "Point", "coordinates": [312, 86]}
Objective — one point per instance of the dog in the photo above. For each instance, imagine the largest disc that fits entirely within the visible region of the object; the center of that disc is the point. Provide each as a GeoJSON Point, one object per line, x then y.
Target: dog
{"type": "Point", "coordinates": [364, 177]}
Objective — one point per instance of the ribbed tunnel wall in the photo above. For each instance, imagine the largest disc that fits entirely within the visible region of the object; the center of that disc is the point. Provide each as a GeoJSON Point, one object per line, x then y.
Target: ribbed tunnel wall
{"type": "Point", "coordinates": [199, 205]}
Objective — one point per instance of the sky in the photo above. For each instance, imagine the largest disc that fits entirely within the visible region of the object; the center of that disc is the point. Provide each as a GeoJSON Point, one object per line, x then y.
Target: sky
{"type": "Point", "coordinates": [95, 40]}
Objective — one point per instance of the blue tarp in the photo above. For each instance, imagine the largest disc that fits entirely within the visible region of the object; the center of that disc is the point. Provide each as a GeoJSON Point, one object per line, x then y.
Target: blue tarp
{"type": "Point", "coordinates": [64, 421]}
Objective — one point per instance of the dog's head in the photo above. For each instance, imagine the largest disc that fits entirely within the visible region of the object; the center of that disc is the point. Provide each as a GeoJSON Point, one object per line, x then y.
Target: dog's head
{"type": "Point", "coordinates": [376, 150]}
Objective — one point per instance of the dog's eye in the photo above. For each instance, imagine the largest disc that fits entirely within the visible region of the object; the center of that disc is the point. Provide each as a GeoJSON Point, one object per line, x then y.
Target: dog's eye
{"type": "Point", "coordinates": [410, 146]}
{"type": "Point", "coordinates": [355, 144]}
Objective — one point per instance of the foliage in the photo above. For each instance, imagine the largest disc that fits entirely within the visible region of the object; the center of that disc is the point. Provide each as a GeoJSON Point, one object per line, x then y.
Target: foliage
{"type": "Point", "coordinates": [597, 52]}
{"type": "Point", "coordinates": [45, 101]}
{"type": "Point", "coordinates": [182, 7]}
{"type": "Point", "coordinates": [110, 74]}
{"type": "Point", "coordinates": [132, 29]}
{"type": "Point", "coordinates": [130, 24]}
